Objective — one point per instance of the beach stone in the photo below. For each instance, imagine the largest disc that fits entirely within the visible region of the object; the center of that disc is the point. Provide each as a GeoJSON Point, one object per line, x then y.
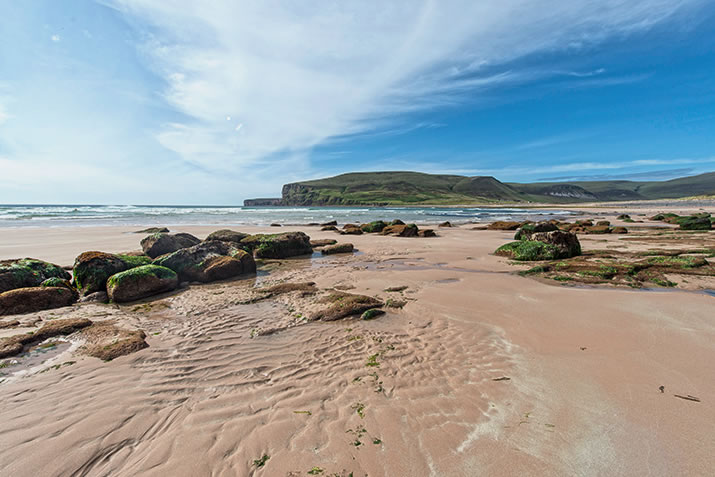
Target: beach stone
{"type": "Point", "coordinates": [62, 283]}
{"type": "Point", "coordinates": [566, 242]}
{"type": "Point", "coordinates": [322, 242]}
{"type": "Point", "coordinates": [343, 304]}
{"type": "Point", "coordinates": [623, 217]}
{"type": "Point", "coordinates": [351, 229]}
{"type": "Point", "coordinates": [598, 229]}
{"type": "Point", "coordinates": [619, 230]}
{"type": "Point", "coordinates": [585, 223]}
{"type": "Point", "coordinates": [373, 227]}
{"type": "Point", "coordinates": [276, 225]}
{"type": "Point", "coordinates": [15, 344]}
{"type": "Point", "coordinates": [603, 222]}
{"type": "Point", "coordinates": [141, 282]}
{"type": "Point", "coordinates": [28, 272]}
{"type": "Point", "coordinates": [338, 248]}
{"type": "Point", "coordinates": [504, 225]}
{"type": "Point", "coordinates": [543, 246]}
{"type": "Point", "coordinates": [283, 245]}
{"type": "Point", "coordinates": [695, 222]}
{"type": "Point", "coordinates": [426, 233]}
{"type": "Point", "coordinates": [153, 230]}
{"type": "Point", "coordinates": [328, 224]}
{"type": "Point", "coordinates": [96, 297]}
{"type": "Point", "coordinates": [192, 264]}
{"type": "Point", "coordinates": [92, 269]}
{"type": "Point", "coordinates": [32, 299]}
{"type": "Point", "coordinates": [106, 341]}
{"type": "Point", "coordinates": [329, 228]}
{"type": "Point", "coordinates": [401, 230]}
{"type": "Point", "coordinates": [372, 313]}
{"type": "Point", "coordinates": [446, 224]}
{"type": "Point", "coordinates": [226, 235]}
{"type": "Point", "coordinates": [159, 244]}
{"type": "Point", "coordinates": [397, 222]}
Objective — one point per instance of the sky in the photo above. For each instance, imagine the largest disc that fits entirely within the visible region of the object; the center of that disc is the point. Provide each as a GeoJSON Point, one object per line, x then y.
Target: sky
{"type": "Point", "coordinates": [209, 103]}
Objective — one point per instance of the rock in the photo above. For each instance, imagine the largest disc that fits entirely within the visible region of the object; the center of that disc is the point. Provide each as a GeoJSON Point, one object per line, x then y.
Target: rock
{"type": "Point", "coordinates": [153, 230]}
{"type": "Point", "coordinates": [92, 269]}
{"type": "Point", "coordinates": [695, 222]}
{"type": "Point", "coordinates": [192, 264]}
{"type": "Point", "coordinates": [392, 303]}
{"type": "Point", "coordinates": [585, 223]}
{"type": "Point", "coordinates": [226, 235]}
{"type": "Point", "coordinates": [526, 230]}
{"type": "Point", "coordinates": [528, 250]}
{"type": "Point", "coordinates": [96, 297]}
{"type": "Point", "coordinates": [9, 324]}
{"type": "Point", "coordinates": [598, 229]}
{"type": "Point", "coordinates": [426, 233]}
{"type": "Point", "coordinates": [338, 248]}
{"type": "Point", "coordinates": [15, 344]}
{"type": "Point", "coordinates": [283, 245]}
{"type": "Point", "coordinates": [329, 227]}
{"type": "Point", "coordinates": [397, 222]}
{"type": "Point", "coordinates": [623, 217]}
{"type": "Point", "coordinates": [62, 283]}
{"type": "Point", "coordinates": [141, 282]}
{"type": "Point", "coordinates": [345, 304]}
{"type": "Point", "coordinates": [28, 272]}
{"type": "Point", "coordinates": [322, 242]}
{"type": "Point", "coordinates": [32, 299]}
{"type": "Point", "coordinates": [619, 230]}
{"type": "Point", "coordinates": [276, 225]}
{"type": "Point", "coordinates": [601, 223]}
{"type": "Point", "coordinates": [504, 225]}
{"type": "Point", "coordinates": [566, 242]}
{"type": "Point", "coordinates": [401, 230]}
{"type": "Point", "coordinates": [373, 227]}
{"type": "Point", "coordinates": [305, 288]}
{"type": "Point", "coordinates": [445, 224]}
{"type": "Point", "coordinates": [397, 288]}
{"type": "Point", "coordinates": [159, 244]}
{"type": "Point", "coordinates": [372, 313]}
{"type": "Point", "coordinates": [355, 230]}
{"type": "Point", "coordinates": [331, 223]}
{"type": "Point", "coordinates": [107, 342]}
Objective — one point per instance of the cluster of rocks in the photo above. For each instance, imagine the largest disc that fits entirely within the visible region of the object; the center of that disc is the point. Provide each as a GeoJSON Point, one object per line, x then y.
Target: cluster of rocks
{"type": "Point", "coordinates": [702, 221]}
{"type": "Point", "coordinates": [580, 226]}
{"type": "Point", "coordinates": [397, 228]}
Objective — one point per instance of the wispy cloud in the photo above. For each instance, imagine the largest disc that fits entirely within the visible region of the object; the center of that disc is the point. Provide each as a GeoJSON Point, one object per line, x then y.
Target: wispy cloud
{"type": "Point", "coordinates": [296, 74]}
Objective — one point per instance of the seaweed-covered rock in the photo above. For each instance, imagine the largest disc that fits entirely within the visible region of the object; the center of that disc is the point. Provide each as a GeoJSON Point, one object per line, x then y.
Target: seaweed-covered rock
{"type": "Point", "coordinates": [397, 222]}
{"type": "Point", "coordinates": [504, 225]}
{"type": "Point", "coordinates": [695, 222]}
{"type": "Point", "coordinates": [226, 235]}
{"type": "Point", "coordinates": [351, 229]}
{"type": "Point", "coordinates": [141, 282]}
{"type": "Point", "coordinates": [159, 244]}
{"type": "Point", "coordinates": [338, 248]}
{"type": "Point", "coordinates": [283, 245]}
{"type": "Point", "coordinates": [526, 230]}
{"type": "Point", "coordinates": [528, 250]}
{"type": "Point", "coordinates": [62, 283]}
{"type": "Point", "coordinates": [624, 217]}
{"type": "Point", "coordinates": [28, 272]}
{"type": "Point", "coordinates": [605, 223]}
{"type": "Point", "coordinates": [345, 304]}
{"type": "Point", "coordinates": [199, 263]}
{"type": "Point", "coordinates": [567, 243]}
{"type": "Point", "coordinates": [585, 223]}
{"type": "Point", "coordinates": [598, 229]}
{"type": "Point", "coordinates": [372, 313]}
{"type": "Point", "coordinates": [32, 299]}
{"type": "Point", "coordinates": [410, 230]}
{"type": "Point", "coordinates": [92, 269]}
{"type": "Point", "coordinates": [13, 345]}
{"type": "Point", "coordinates": [373, 227]}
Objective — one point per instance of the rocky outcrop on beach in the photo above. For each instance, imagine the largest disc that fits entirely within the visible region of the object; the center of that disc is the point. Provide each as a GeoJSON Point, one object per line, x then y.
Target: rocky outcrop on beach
{"type": "Point", "coordinates": [208, 261]}
{"type": "Point", "coordinates": [141, 282]}
{"type": "Point", "coordinates": [504, 225]}
{"type": "Point", "coordinates": [226, 235]}
{"type": "Point", "coordinates": [159, 244]}
{"type": "Point", "coordinates": [401, 230]}
{"type": "Point", "coordinates": [29, 300]}
{"type": "Point", "coordinates": [14, 345]}
{"type": "Point", "coordinates": [106, 341]}
{"type": "Point", "coordinates": [92, 269]}
{"type": "Point", "coordinates": [283, 245]}
{"type": "Point", "coordinates": [373, 227]}
{"type": "Point", "coordinates": [343, 304]}
{"type": "Point", "coordinates": [542, 246]}
{"type": "Point", "coordinates": [28, 272]}
{"type": "Point", "coordinates": [338, 248]}
{"type": "Point", "coordinates": [526, 230]}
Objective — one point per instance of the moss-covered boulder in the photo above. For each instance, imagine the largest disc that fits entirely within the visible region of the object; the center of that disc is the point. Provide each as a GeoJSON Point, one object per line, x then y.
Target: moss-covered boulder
{"type": "Point", "coordinates": [283, 245]}
{"type": "Point", "coordinates": [92, 269]}
{"type": "Point", "coordinates": [397, 222]}
{"type": "Point", "coordinates": [61, 283]}
{"type": "Point", "coordinates": [141, 282]}
{"type": "Point", "coordinates": [159, 244]}
{"type": "Point", "coordinates": [30, 300]}
{"type": "Point", "coordinates": [603, 223]}
{"type": "Point", "coordinates": [226, 235]}
{"type": "Point", "coordinates": [695, 222]}
{"type": "Point", "coordinates": [528, 250]}
{"type": "Point", "coordinates": [341, 305]}
{"type": "Point", "coordinates": [410, 230]}
{"type": "Point", "coordinates": [526, 230]}
{"type": "Point", "coordinates": [28, 272]}
{"type": "Point", "coordinates": [373, 227]}
{"type": "Point", "coordinates": [338, 248]}
{"type": "Point", "coordinates": [200, 263]}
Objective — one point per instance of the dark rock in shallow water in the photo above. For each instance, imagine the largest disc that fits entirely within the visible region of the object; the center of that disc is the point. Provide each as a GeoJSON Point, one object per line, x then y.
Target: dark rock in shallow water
{"type": "Point", "coordinates": [30, 300]}
{"type": "Point", "coordinates": [226, 235]}
{"type": "Point", "coordinates": [542, 246]}
{"type": "Point", "coordinates": [159, 244]}
{"type": "Point", "coordinates": [28, 272]}
{"type": "Point", "coordinates": [141, 282]}
{"type": "Point", "coordinates": [200, 263]}
{"type": "Point", "coordinates": [338, 248]}
{"type": "Point", "coordinates": [283, 245]}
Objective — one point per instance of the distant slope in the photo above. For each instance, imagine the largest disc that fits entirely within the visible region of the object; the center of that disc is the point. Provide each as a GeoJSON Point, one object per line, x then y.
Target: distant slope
{"type": "Point", "coordinates": [416, 188]}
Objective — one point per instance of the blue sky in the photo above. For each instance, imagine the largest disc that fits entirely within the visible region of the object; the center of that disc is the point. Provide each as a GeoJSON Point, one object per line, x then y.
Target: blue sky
{"type": "Point", "coordinates": [172, 102]}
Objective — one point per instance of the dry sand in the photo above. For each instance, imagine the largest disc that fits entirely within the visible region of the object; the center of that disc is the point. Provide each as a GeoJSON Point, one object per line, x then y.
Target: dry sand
{"type": "Point", "coordinates": [212, 393]}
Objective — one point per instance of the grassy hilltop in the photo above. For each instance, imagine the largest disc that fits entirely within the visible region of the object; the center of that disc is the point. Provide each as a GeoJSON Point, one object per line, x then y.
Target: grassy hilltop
{"type": "Point", "coordinates": [415, 188]}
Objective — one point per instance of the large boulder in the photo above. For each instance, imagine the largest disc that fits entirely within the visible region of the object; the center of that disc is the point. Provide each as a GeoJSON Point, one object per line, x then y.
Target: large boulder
{"type": "Point", "coordinates": [28, 272]}
{"type": "Point", "coordinates": [92, 269]}
{"type": "Point", "coordinates": [526, 230]}
{"type": "Point", "coordinates": [30, 300]}
{"type": "Point", "coordinates": [141, 282]}
{"type": "Point", "coordinates": [543, 246]}
{"type": "Point", "coordinates": [155, 245]}
{"type": "Point", "coordinates": [504, 225]}
{"type": "Point", "coordinates": [373, 227]}
{"type": "Point", "coordinates": [283, 245]}
{"type": "Point", "coordinates": [200, 263]}
{"type": "Point", "coordinates": [226, 235]}
{"type": "Point", "coordinates": [410, 230]}
{"type": "Point", "coordinates": [695, 222]}
{"type": "Point", "coordinates": [566, 242]}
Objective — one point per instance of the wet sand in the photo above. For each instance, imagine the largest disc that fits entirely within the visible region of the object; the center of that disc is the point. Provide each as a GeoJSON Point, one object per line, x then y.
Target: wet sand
{"type": "Point", "coordinates": [419, 391]}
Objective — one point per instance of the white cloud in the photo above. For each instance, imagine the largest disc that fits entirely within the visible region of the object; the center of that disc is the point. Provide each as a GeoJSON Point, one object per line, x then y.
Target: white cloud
{"type": "Point", "coordinates": [295, 74]}
{"type": "Point", "coordinates": [55, 38]}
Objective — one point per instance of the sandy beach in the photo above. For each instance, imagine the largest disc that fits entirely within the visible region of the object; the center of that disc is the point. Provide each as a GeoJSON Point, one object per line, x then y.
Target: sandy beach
{"type": "Point", "coordinates": [481, 371]}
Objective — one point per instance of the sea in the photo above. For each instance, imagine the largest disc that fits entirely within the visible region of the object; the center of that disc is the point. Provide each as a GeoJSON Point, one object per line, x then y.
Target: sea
{"type": "Point", "coordinates": [164, 215]}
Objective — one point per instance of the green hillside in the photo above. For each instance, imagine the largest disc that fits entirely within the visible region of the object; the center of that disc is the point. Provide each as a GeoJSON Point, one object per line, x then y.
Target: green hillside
{"type": "Point", "coordinates": [415, 188]}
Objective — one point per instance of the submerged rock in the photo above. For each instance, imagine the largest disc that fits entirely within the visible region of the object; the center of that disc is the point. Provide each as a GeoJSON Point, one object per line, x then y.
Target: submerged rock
{"type": "Point", "coordinates": [28, 272]}
{"type": "Point", "coordinates": [141, 282]}
{"type": "Point", "coordinates": [226, 235]}
{"type": "Point", "coordinates": [159, 244]}
{"type": "Point", "coordinates": [200, 263]}
{"type": "Point", "coordinates": [32, 299]}
{"type": "Point", "coordinates": [338, 248]}
{"type": "Point", "coordinates": [283, 245]}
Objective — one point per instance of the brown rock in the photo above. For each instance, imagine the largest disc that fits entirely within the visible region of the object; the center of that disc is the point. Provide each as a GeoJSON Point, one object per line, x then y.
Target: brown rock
{"type": "Point", "coordinates": [107, 342]}
{"type": "Point", "coordinates": [30, 300]}
{"type": "Point", "coordinates": [160, 244]}
{"type": "Point", "coordinates": [329, 228]}
{"type": "Point", "coordinates": [15, 344]}
{"type": "Point", "coordinates": [598, 229]}
{"type": "Point", "coordinates": [426, 233]}
{"type": "Point", "coordinates": [322, 242]}
{"type": "Point", "coordinates": [504, 225]}
{"type": "Point", "coordinates": [338, 248]}
{"type": "Point", "coordinates": [619, 230]}
{"type": "Point", "coordinates": [345, 304]}
{"type": "Point", "coordinates": [445, 224]}
{"type": "Point", "coordinates": [401, 230]}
